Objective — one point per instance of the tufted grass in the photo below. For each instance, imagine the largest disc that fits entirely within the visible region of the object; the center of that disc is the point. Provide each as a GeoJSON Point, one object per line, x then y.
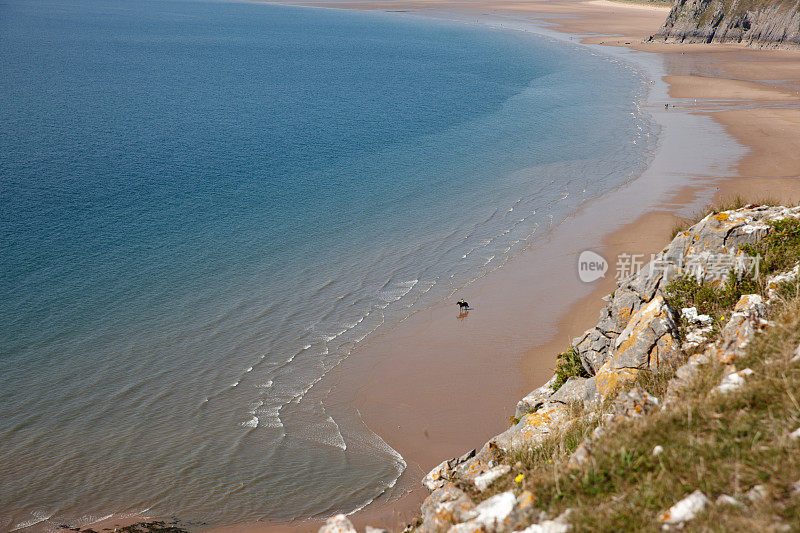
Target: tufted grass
{"type": "Point", "coordinates": [723, 204]}
{"type": "Point", "coordinates": [780, 249]}
{"type": "Point", "coordinates": [718, 443]}
{"type": "Point", "coordinates": [710, 299]}
{"type": "Point", "coordinates": [568, 364]}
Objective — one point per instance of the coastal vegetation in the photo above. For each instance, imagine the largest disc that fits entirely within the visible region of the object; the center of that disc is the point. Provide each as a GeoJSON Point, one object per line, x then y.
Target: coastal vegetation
{"type": "Point", "coordinates": [568, 364]}
{"type": "Point", "coordinates": [723, 445]}
{"type": "Point", "coordinates": [687, 417]}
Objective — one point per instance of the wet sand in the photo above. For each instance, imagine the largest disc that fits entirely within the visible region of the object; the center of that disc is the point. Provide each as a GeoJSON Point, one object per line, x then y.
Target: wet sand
{"type": "Point", "coordinates": [436, 386]}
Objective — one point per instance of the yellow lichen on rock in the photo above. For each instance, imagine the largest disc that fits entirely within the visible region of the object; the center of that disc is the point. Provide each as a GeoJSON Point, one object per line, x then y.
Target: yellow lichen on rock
{"type": "Point", "coordinates": [624, 317]}
{"type": "Point", "coordinates": [538, 419]}
{"type": "Point", "coordinates": [609, 381]}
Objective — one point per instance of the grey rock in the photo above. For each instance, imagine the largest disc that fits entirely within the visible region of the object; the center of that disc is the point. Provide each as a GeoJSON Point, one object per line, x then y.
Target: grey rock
{"type": "Point", "coordinates": [492, 515]}
{"type": "Point", "coordinates": [684, 375]}
{"type": "Point", "coordinates": [592, 348]}
{"type": "Point", "coordinates": [444, 507]}
{"type": "Point", "coordinates": [658, 450]}
{"type": "Point", "coordinates": [535, 398]}
{"type": "Point", "coordinates": [338, 524]}
{"type": "Point", "coordinates": [650, 340]}
{"type": "Point", "coordinates": [437, 477]}
{"type": "Point", "coordinates": [590, 392]}
{"type": "Point", "coordinates": [572, 390]}
{"type": "Point", "coordinates": [757, 493]}
{"type": "Point", "coordinates": [724, 499]}
{"type": "Point", "coordinates": [532, 427]}
{"type": "Point", "coordinates": [454, 462]}
{"type": "Point", "coordinates": [685, 510]}
{"type": "Point", "coordinates": [558, 525]}
{"type": "Point", "coordinates": [708, 21]}
{"type": "Point", "coordinates": [484, 480]}
{"type": "Point", "coordinates": [635, 403]}
{"type": "Point", "coordinates": [748, 317]}
{"type": "Point", "coordinates": [581, 455]}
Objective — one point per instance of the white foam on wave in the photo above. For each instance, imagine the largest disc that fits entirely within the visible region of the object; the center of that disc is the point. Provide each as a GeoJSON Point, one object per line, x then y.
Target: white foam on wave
{"type": "Point", "coordinates": [37, 518]}
{"type": "Point", "coordinates": [329, 338]}
{"type": "Point", "coordinates": [395, 293]}
{"type": "Point", "coordinates": [347, 327]}
{"type": "Point", "coordinates": [91, 519]}
{"type": "Point", "coordinates": [269, 416]}
{"type": "Point", "coordinates": [252, 423]}
{"type": "Point", "coordinates": [399, 463]}
{"type": "Point", "coordinates": [336, 440]}
{"type": "Point", "coordinates": [424, 291]}
{"type": "Point", "coordinates": [368, 333]}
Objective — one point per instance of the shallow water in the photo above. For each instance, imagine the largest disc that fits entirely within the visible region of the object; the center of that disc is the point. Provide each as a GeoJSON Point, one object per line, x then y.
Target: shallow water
{"type": "Point", "coordinates": [206, 205]}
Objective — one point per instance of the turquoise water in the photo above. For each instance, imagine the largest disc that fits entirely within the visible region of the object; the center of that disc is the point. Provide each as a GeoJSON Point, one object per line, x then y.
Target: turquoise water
{"type": "Point", "coordinates": [204, 206]}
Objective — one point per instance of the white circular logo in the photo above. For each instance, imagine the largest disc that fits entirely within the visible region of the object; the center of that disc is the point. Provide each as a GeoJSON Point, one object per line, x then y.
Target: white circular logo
{"type": "Point", "coordinates": [591, 266]}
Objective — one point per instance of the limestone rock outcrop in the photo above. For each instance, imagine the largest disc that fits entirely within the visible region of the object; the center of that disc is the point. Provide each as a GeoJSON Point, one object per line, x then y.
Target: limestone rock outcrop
{"type": "Point", "coordinates": [761, 23]}
{"type": "Point", "coordinates": [637, 331]}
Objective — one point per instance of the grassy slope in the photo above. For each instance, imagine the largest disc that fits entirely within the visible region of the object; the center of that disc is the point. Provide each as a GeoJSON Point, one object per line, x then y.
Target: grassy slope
{"type": "Point", "coordinates": [720, 444]}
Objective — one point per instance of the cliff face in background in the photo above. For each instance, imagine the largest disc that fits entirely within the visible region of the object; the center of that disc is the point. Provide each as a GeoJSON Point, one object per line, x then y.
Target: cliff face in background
{"type": "Point", "coordinates": [754, 22]}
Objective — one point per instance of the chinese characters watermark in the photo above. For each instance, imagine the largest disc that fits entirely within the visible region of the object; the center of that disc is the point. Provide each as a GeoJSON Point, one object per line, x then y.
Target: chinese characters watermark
{"type": "Point", "coordinates": [704, 266]}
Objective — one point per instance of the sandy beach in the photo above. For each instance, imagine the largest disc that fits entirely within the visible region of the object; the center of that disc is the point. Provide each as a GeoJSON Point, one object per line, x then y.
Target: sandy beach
{"type": "Point", "coordinates": [437, 386]}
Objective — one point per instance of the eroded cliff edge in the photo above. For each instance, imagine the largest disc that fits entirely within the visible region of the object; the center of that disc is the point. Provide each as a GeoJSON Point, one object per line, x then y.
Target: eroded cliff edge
{"type": "Point", "coordinates": [762, 23]}
{"type": "Point", "coordinates": [679, 409]}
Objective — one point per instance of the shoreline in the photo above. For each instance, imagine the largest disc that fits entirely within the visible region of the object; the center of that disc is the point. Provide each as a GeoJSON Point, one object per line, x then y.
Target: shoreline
{"type": "Point", "coordinates": [644, 233]}
{"type": "Point", "coordinates": [578, 304]}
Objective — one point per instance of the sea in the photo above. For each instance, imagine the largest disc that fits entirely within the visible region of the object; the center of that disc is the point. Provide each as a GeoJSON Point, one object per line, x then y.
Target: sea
{"type": "Point", "coordinates": [205, 206]}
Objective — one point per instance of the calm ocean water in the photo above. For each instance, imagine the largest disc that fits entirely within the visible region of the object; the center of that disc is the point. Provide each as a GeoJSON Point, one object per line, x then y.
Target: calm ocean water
{"type": "Point", "coordinates": [204, 206]}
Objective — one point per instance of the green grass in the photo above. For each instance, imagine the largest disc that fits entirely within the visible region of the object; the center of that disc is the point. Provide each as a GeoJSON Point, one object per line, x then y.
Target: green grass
{"type": "Point", "coordinates": [715, 300]}
{"type": "Point", "coordinates": [568, 364]}
{"type": "Point", "coordinates": [780, 249]}
{"type": "Point", "coordinates": [718, 443]}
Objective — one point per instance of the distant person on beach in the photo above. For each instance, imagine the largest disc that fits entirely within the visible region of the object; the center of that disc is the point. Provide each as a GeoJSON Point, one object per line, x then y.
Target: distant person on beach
{"type": "Point", "coordinates": [462, 305]}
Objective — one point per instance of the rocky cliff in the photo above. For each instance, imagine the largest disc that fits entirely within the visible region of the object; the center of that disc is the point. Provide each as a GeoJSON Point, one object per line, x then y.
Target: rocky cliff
{"type": "Point", "coordinates": [754, 22]}
{"type": "Point", "coordinates": [683, 417]}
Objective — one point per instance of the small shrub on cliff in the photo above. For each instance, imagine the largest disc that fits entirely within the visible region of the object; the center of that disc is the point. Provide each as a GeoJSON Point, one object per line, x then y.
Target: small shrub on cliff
{"type": "Point", "coordinates": [709, 299]}
{"type": "Point", "coordinates": [780, 249]}
{"type": "Point", "coordinates": [568, 364]}
{"type": "Point", "coordinates": [718, 443]}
